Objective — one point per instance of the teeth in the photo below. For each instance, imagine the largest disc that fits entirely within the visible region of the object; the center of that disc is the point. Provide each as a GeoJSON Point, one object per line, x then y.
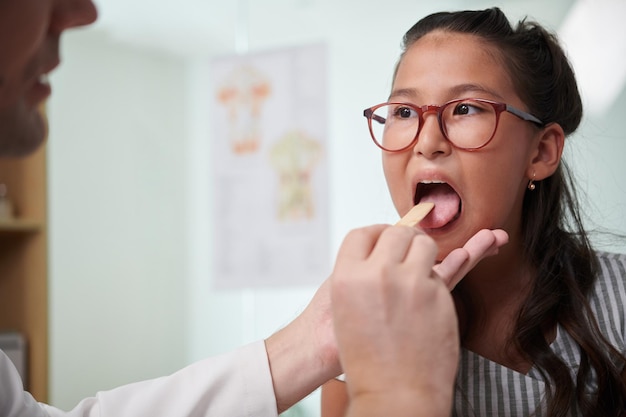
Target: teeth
{"type": "Point", "coordinates": [432, 182]}
{"type": "Point", "coordinates": [43, 79]}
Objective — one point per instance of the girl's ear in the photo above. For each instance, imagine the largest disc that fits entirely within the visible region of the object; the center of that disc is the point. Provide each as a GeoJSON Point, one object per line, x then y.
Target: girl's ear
{"type": "Point", "coordinates": [547, 154]}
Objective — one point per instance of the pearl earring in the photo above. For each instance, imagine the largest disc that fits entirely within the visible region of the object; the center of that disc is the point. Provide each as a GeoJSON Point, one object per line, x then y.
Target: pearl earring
{"type": "Point", "coordinates": [531, 183]}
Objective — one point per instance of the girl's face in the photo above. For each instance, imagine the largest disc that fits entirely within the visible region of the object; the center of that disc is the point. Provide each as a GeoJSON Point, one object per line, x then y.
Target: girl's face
{"type": "Point", "coordinates": [485, 188]}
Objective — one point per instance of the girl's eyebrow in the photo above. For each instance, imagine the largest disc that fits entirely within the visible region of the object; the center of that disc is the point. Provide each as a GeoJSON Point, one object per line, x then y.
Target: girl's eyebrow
{"type": "Point", "coordinates": [410, 93]}
{"type": "Point", "coordinates": [474, 88]}
{"type": "Point", "coordinates": [454, 92]}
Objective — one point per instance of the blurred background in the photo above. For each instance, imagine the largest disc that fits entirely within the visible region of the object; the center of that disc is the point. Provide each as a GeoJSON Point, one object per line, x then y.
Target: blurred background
{"type": "Point", "coordinates": [130, 194]}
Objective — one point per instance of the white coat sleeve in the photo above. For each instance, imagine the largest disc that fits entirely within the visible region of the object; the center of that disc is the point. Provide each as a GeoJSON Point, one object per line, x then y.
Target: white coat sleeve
{"type": "Point", "coordinates": [235, 384]}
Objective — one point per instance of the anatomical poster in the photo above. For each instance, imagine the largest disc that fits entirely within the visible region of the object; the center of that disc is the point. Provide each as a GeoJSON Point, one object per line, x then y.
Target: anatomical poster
{"type": "Point", "coordinates": [269, 135]}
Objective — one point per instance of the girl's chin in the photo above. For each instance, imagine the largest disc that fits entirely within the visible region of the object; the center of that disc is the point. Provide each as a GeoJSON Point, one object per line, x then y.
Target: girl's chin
{"type": "Point", "coordinates": [448, 243]}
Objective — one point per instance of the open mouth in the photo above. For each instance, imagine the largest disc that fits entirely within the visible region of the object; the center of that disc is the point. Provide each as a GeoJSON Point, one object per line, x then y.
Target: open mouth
{"type": "Point", "coordinates": [447, 203]}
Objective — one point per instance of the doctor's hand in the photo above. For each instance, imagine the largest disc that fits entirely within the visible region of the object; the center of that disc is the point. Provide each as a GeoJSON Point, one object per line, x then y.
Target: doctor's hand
{"type": "Point", "coordinates": [304, 354]}
{"type": "Point", "coordinates": [395, 324]}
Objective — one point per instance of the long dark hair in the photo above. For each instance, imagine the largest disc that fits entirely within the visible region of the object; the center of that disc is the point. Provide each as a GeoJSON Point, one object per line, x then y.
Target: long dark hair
{"type": "Point", "coordinates": [555, 242]}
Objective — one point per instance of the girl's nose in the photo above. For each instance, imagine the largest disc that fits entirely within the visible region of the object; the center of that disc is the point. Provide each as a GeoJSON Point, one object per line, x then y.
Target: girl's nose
{"type": "Point", "coordinates": [431, 142]}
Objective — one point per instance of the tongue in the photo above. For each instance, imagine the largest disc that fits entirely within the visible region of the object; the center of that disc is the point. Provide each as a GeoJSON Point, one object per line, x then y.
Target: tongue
{"type": "Point", "coordinates": [446, 206]}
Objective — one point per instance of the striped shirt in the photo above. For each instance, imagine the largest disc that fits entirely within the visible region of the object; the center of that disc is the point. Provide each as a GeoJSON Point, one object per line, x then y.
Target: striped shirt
{"type": "Point", "coordinates": [485, 388]}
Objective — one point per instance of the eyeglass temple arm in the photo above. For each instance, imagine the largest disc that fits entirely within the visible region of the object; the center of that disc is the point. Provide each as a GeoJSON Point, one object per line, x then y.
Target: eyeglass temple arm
{"type": "Point", "coordinates": [523, 115]}
{"type": "Point", "coordinates": [371, 115]}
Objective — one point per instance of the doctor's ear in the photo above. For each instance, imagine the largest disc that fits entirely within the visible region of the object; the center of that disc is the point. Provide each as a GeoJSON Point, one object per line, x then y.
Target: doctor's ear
{"type": "Point", "coordinates": [548, 151]}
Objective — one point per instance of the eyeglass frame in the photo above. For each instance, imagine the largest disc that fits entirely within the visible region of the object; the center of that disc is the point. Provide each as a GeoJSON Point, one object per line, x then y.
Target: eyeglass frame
{"type": "Point", "coordinates": [498, 106]}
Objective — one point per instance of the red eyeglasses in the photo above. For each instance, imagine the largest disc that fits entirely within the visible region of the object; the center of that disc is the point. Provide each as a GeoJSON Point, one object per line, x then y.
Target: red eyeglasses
{"type": "Point", "coordinates": [468, 124]}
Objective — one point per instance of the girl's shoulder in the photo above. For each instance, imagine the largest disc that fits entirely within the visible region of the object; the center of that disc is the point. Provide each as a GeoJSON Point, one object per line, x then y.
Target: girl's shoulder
{"type": "Point", "coordinates": [612, 265]}
{"type": "Point", "coordinates": [620, 257]}
{"type": "Point", "coordinates": [608, 298]}
{"type": "Point", "coordinates": [612, 273]}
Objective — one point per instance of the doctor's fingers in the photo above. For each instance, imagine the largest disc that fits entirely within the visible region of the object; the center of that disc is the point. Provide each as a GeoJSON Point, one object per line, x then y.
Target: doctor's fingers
{"type": "Point", "coordinates": [359, 243]}
{"type": "Point", "coordinates": [421, 256]}
{"type": "Point", "coordinates": [371, 254]}
{"type": "Point", "coordinates": [396, 243]}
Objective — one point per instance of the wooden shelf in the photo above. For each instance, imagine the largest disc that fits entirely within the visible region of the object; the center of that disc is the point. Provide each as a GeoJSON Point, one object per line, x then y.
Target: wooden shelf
{"type": "Point", "coordinates": [24, 264]}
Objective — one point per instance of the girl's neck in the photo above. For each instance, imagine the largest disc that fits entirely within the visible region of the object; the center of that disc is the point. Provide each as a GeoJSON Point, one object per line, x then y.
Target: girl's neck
{"type": "Point", "coordinates": [489, 299]}
{"type": "Point", "coordinates": [500, 280]}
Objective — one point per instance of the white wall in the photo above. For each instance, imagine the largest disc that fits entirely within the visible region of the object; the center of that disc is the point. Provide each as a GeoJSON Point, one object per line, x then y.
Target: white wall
{"type": "Point", "coordinates": [116, 214]}
{"type": "Point", "coordinates": [130, 191]}
{"type": "Point", "coordinates": [596, 155]}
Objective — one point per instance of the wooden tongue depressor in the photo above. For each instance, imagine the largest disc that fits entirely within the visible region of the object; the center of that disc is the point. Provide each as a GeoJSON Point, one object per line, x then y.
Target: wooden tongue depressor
{"type": "Point", "coordinates": [416, 214]}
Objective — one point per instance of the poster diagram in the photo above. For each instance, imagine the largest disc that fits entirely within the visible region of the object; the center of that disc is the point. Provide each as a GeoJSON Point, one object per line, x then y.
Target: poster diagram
{"type": "Point", "coordinates": [269, 152]}
{"type": "Point", "coordinates": [294, 158]}
{"type": "Point", "coordinates": [243, 94]}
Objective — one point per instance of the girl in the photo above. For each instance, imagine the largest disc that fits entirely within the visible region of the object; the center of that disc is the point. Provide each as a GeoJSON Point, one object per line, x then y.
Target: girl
{"type": "Point", "coordinates": [476, 122]}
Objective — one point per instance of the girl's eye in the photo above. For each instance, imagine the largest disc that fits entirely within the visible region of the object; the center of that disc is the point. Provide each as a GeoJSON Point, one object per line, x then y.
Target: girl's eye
{"type": "Point", "coordinates": [466, 109]}
{"type": "Point", "coordinates": [404, 112]}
